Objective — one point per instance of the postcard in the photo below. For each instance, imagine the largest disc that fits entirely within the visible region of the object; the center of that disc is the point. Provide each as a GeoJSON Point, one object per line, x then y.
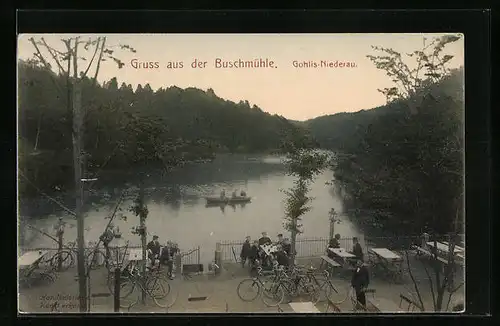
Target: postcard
{"type": "Point", "coordinates": [241, 173]}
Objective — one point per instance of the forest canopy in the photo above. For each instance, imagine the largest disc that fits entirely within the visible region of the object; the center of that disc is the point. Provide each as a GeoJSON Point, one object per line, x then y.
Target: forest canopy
{"type": "Point", "coordinates": [405, 171]}
{"type": "Point", "coordinates": [124, 127]}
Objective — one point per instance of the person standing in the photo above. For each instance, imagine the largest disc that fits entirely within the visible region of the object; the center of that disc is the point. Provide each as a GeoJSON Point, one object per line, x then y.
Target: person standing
{"type": "Point", "coordinates": [172, 250]}
{"type": "Point", "coordinates": [287, 246]}
{"type": "Point", "coordinates": [154, 249]}
{"type": "Point", "coordinates": [280, 239]}
{"type": "Point", "coordinates": [59, 228]}
{"type": "Point", "coordinates": [360, 281]}
{"type": "Point", "coordinates": [106, 238]}
{"type": "Point", "coordinates": [357, 250]}
{"type": "Point", "coordinates": [264, 240]}
{"type": "Point", "coordinates": [245, 251]}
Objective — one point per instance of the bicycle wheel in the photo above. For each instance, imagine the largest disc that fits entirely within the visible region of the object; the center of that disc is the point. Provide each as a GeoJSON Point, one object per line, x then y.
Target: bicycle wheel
{"type": "Point", "coordinates": [337, 293]}
{"type": "Point", "coordinates": [160, 293]}
{"type": "Point", "coordinates": [248, 290]}
{"type": "Point", "coordinates": [273, 294]}
{"type": "Point", "coordinates": [46, 278]}
{"type": "Point", "coordinates": [126, 285]}
{"type": "Point", "coordinates": [95, 259]}
{"type": "Point", "coordinates": [65, 257]}
{"type": "Point", "coordinates": [158, 287]}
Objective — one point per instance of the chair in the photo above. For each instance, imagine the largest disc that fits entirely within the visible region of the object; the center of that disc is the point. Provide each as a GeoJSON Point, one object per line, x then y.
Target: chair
{"type": "Point", "coordinates": [330, 304]}
{"type": "Point", "coordinates": [411, 304]}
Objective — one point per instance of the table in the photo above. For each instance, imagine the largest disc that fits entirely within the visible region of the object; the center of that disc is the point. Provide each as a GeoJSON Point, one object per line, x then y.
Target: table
{"type": "Point", "coordinates": [382, 305]}
{"type": "Point", "coordinates": [341, 252]}
{"type": "Point", "coordinates": [444, 247]}
{"type": "Point", "coordinates": [29, 261]}
{"type": "Point", "coordinates": [30, 258]}
{"type": "Point", "coordinates": [304, 307]}
{"type": "Point", "coordinates": [345, 256]}
{"type": "Point", "coordinates": [457, 248]}
{"type": "Point", "coordinates": [388, 260]}
{"type": "Point", "coordinates": [386, 254]}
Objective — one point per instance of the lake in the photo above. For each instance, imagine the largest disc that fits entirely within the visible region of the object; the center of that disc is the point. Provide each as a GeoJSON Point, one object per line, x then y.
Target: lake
{"type": "Point", "coordinates": [177, 208]}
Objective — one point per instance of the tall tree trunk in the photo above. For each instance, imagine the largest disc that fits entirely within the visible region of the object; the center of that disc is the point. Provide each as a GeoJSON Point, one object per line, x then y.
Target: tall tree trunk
{"type": "Point", "coordinates": [82, 280]}
{"type": "Point", "coordinates": [97, 135]}
{"type": "Point", "coordinates": [38, 130]}
{"type": "Point", "coordinates": [293, 242]}
{"type": "Point", "coordinates": [142, 219]}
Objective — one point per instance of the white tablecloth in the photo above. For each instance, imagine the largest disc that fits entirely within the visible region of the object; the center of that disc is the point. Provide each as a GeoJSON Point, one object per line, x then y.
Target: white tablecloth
{"type": "Point", "coordinates": [386, 254]}
{"type": "Point", "coordinates": [304, 307]}
{"type": "Point", "coordinates": [31, 257]}
{"type": "Point", "coordinates": [341, 252]}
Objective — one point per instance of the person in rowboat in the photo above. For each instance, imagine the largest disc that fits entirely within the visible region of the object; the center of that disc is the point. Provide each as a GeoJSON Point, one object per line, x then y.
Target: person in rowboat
{"type": "Point", "coordinates": [223, 194]}
{"type": "Point", "coordinates": [243, 193]}
{"type": "Point", "coordinates": [234, 194]}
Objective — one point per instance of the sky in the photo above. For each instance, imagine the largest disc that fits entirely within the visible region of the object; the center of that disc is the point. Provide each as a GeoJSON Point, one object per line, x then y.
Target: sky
{"type": "Point", "coordinates": [295, 92]}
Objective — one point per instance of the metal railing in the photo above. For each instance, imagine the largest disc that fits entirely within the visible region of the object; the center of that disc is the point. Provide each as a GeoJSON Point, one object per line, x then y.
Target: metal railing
{"type": "Point", "coordinates": [187, 257]}
{"type": "Point", "coordinates": [314, 247]}
{"type": "Point", "coordinates": [305, 247]}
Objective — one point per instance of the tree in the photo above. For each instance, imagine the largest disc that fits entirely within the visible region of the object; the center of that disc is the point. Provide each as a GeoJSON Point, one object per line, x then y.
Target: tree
{"type": "Point", "coordinates": [433, 156]}
{"type": "Point", "coordinates": [304, 164]}
{"type": "Point", "coordinates": [431, 66]}
{"type": "Point", "coordinates": [196, 117]}
{"type": "Point", "coordinates": [67, 62]}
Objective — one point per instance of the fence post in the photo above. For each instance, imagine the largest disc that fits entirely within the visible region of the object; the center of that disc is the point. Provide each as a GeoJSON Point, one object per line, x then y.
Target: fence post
{"type": "Point", "coordinates": [218, 257]}
{"type": "Point", "coordinates": [178, 263]}
{"type": "Point", "coordinates": [59, 249]}
{"type": "Point", "coordinates": [117, 289]}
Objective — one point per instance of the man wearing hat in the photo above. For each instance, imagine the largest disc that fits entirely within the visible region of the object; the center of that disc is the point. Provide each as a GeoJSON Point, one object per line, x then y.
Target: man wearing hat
{"type": "Point", "coordinates": [106, 237]}
{"type": "Point", "coordinates": [360, 280]}
{"type": "Point", "coordinates": [154, 249]}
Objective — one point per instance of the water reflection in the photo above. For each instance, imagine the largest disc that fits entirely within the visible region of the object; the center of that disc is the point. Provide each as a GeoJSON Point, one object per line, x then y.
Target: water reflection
{"type": "Point", "coordinates": [178, 210]}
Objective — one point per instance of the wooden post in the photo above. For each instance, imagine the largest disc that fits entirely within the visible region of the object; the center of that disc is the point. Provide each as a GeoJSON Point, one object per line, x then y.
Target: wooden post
{"type": "Point", "coordinates": [59, 248]}
{"type": "Point", "coordinates": [218, 258]}
{"type": "Point", "coordinates": [142, 219]}
{"type": "Point", "coordinates": [117, 289]}
{"type": "Point", "coordinates": [77, 122]}
{"type": "Point", "coordinates": [178, 263]}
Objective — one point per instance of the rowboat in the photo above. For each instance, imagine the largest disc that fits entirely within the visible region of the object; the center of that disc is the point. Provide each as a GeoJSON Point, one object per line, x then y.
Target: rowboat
{"type": "Point", "coordinates": [227, 200]}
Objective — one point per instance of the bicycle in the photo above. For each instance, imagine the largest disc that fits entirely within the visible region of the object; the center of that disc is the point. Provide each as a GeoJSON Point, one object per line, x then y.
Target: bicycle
{"type": "Point", "coordinates": [267, 290]}
{"type": "Point", "coordinates": [66, 256]}
{"type": "Point", "coordinates": [95, 257]}
{"type": "Point", "coordinates": [299, 283]}
{"type": "Point", "coordinates": [153, 284]}
{"type": "Point", "coordinates": [335, 294]}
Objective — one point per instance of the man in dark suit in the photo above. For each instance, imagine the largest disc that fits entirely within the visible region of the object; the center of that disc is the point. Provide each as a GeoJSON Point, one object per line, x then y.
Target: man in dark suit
{"type": "Point", "coordinates": [334, 243]}
{"type": "Point", "coordinates": [264, 239]}
{"type": "Point", "coordinates": [360, 281]}
{"type": "Point", "coordinates": [245, 251]}
{"type": "Point", "coordinates": [154, 249]}
{"type": "Point", "coordinates": [357, 250]}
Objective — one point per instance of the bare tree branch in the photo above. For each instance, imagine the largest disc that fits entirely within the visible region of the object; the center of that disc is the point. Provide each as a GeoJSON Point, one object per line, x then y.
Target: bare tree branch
{"type": "Point", "coordinates": [99, 61]}
{"type": "Point", "coordinates": [431, 285]}
{"type": "Point", "coordinates": [419, 296]}
{"type": "Point", "coordinates": [451, 294]}
{"type": "Point", "coordinates": [45, 63]}
{"type": "Point", "coordinates": [75, 58]}
{"type": "Point", "coordinates": [49, 49]}
{"type": "Point", "coordinates": [93, 57]}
